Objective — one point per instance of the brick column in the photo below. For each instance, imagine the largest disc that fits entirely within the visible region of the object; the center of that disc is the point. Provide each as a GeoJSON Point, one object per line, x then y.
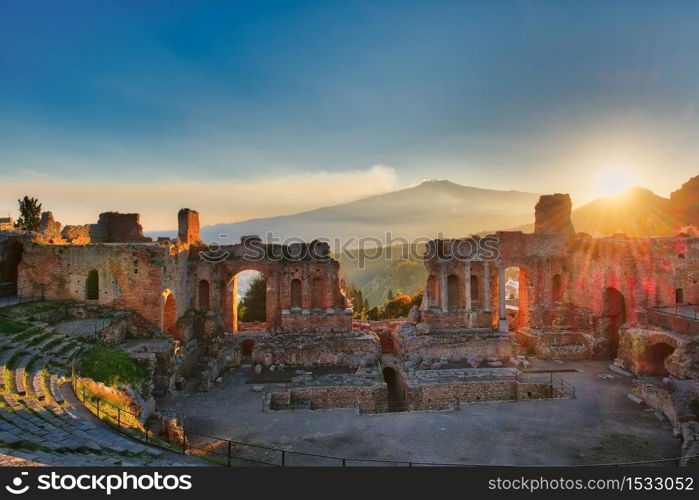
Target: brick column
{"type": "Point", "coordinates": [502, 323]}
{"type": "Point", "coordinates": [467, 286]}
{"type": "Point", "coordinates": [485, 300]}
{"type": "Point", "coordinates": [443, 287]}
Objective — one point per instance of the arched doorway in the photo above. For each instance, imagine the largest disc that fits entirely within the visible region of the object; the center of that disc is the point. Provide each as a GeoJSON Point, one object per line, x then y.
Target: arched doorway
{"type": "Point", "coordinates": [246, 348]}
{"type": "Point", "coordinates": [249, 301]}
{"type": "Point", "coordinates": [475, 291]}
{"type": "Point", "coordinates": [396, 389]}
{"type": "Point", "coordinates": [517, 296]}
{"type": "Point", "coordinates": [92, 285]}
{"type": "Point", "coordinates": [679, 296]}
{"type": "Point", "coordinates": [170, 314]}
{"type": "Point", "coordinates": [655, 356]}
{"type": "Point", "coordinates": [203, 294]}
{"type": "Point", "coordinates": [612, 316]}
{"type": "Point", "coordinates": [8, 268]}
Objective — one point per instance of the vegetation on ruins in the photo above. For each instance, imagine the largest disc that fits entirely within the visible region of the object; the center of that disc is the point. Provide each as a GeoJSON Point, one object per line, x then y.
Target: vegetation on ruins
{"type": "Point", "coordinates": [111, 367]}
{"type": "Point", "coordinates": [29, 214]}
{"type": "Point", "coordinates": [252, 306]}
{"type": "Point", "coordinates": [396, 307]}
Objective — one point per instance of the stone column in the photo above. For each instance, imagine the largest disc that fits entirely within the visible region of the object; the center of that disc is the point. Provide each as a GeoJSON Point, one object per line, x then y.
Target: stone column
{"type": "Point", "coordinates": [467, 286]}
{"type": "Point", "coordinates": [443, 287]}
{"type": "Point", "coordinates": [502, 323]}
{"type": "Point", "coordinates": [485, 300]}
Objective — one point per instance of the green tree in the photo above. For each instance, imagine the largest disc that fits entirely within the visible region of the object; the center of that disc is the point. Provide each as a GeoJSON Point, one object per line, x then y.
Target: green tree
{"type": "Point", "coordinates": [252, 307]}
{"type": "Point", "coordinates": [29, 214]}
{"type": "Point", "coordinates": [390, 294]}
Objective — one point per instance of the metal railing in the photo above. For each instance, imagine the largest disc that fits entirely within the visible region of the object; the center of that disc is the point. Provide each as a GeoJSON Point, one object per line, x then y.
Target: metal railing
{"type": "Point", "coordinates": [681, 310]}
{"type": "Point", "coordinates": [230, 452]}
{"type": "Point", "coordinates": [20, 296]}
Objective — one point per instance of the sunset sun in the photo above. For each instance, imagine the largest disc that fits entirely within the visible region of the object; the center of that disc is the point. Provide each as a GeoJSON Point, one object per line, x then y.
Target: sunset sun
{"type": "Point", "coordinates": [613, 181]}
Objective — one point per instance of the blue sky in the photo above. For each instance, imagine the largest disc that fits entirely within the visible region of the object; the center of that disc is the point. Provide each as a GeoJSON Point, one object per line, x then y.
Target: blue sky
{"type": "Point", "coordinates": [244, 109]}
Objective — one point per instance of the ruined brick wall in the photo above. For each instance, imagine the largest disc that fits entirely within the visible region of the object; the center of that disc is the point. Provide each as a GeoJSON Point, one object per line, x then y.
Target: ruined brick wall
{"type": "Point", "coordinates": [117, 227]}
{"type": "Point", "coordinates": [77, 235]}
{"type": "Point", "coordinates": [484, 344]}
{"type": "Point", "coordinates": [129, 276]}
{"type": "Point", "coordinates": [552, 214]}
{"type": "Point", "coordinates": [11, 250]}
{"type": "Point", "coordinates": [447, 395]}
{"type": "Point", "coordinates": [352, 350]}
{"type": "Point", "coordinates": [303, 294]}
{"type": "Point", "coordinates": [188, 226]}
{"type": "Point", "coordinates": [646, 271]}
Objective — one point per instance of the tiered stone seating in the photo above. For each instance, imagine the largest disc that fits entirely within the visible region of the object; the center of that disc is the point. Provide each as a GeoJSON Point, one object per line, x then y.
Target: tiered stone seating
{"type": "Point", "coordinates": [20, 374]}
{"type": "Point", "coordinates": [40, 424]}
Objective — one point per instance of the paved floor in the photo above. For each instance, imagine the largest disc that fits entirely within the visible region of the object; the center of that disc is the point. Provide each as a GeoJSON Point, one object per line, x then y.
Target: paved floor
{"type": "Point", "coordinates": [600, 426]}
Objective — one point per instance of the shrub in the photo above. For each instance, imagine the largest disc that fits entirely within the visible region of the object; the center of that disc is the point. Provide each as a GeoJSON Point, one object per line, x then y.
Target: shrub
{"type": "Point", "coordinates": [110, 367]}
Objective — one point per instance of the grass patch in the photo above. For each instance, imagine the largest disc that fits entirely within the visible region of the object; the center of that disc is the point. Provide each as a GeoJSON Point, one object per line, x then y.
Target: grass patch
{"type": "Point", "coordinates": [39, 338]}
{"type": "Point", "coordinates": [25, 335]}
{"type": "Point", "coordinates": [32, 308]}
{"type": "Point", "coordinates": [8, 325]}
{"type": "Point", "coordinates": [110, 367]}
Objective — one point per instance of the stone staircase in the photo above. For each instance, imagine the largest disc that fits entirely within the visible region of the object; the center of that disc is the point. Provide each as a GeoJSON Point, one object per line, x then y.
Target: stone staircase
{"type": "Point", "coordinates": [41, 420]}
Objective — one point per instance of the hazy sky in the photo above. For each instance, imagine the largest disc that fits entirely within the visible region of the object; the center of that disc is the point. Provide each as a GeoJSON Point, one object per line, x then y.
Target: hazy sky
{"type": "Point", "coordinates": [244, 109]}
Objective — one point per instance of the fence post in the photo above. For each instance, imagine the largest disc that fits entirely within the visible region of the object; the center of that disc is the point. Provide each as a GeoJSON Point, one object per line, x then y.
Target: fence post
{"type": "Point", "coordinates": [344, 463]}
{"type": "Point", "coordinates": [147, 429]}
{"type": "Point", "coordinates": [118, 418]}
{"type": "Point", "coordinates": [229, 453]}
{"type": "Point", "coordinates": [283, 458]}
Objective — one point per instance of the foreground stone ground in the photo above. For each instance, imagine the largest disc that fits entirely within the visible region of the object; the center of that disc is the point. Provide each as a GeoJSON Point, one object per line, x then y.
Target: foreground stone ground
{"type": "Point", "coordinates": [600, 426]}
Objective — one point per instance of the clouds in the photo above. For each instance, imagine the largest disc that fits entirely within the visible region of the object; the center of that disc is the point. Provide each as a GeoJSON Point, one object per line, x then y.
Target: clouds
{"type": "Point", "coordinates": [80, 201]}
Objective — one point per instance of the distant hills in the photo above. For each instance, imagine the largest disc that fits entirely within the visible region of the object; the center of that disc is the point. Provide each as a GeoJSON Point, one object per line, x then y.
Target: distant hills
{"type": "Point", "coordinates": [422, 211]}
{"type": "Point", "coordinates": [638, 212]}
{"type": "Point", "coordinates": [434, 207]}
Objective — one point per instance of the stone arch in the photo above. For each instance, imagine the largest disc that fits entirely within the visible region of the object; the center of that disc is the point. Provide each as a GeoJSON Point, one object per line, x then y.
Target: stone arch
{"type": "Point", "coordinates": [612, 316]}
{"type": "Point", "coordinates": [9, 264]}
{"type": "Point", "coordinates": [92, 285]}
{"type": "Point", "coordinates": [246, 348]}
{"type": "Point", "coordinates": [169, 313]}
{"type": "Point", "coordinates": [396, 389]}
{"type": "Point", "coordinates": [317, 293]}
{"type": "Point", "coordinates": [655, 358]}
{"type": "Point", "coordinates": [203, 294]}
{"type": "Point", "coordinates": [517, 295]}
{"type": "Point", "coordinates": [296, 294]}
{"type": "Point", "coordinates": [454, 291]}
{"type": "Point", "coordinates": [258, 311]}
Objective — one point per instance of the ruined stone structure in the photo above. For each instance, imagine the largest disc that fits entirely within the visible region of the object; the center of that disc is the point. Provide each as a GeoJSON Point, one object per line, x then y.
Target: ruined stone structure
{"type": "Point", "coordinates": [629, 300]}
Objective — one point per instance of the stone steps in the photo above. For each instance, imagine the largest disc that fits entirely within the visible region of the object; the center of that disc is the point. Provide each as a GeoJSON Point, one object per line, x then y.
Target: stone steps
{"type": "Point", "coordinates": [36, 378]}
{"type": "Point", "coordinates": [20, 372]}
{"type": "Point", "coordinates": [54, 390]}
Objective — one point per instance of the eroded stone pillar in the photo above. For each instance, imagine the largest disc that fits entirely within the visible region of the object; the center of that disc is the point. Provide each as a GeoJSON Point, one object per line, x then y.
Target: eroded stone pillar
{"type": "Point", "coordinates": [486, 287]}
{"type": "Point", "coordinates": [443, 287]}
{"type": "Point", "coordinates": [467, 286]}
